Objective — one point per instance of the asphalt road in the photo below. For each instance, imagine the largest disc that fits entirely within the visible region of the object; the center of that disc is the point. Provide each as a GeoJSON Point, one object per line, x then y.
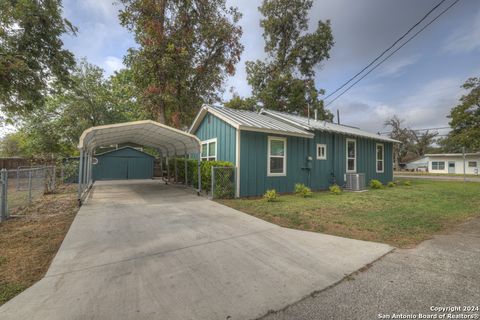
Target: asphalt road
{"type": "Point", "coordinates": [441, 272]}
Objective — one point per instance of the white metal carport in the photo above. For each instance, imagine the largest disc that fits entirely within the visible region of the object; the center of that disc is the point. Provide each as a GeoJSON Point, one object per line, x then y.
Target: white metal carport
{"type": "Point", "coordinates": [167, 140]}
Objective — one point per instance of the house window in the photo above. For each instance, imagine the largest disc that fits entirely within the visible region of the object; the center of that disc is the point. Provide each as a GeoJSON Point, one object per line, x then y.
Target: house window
{"type": "Point", "coordinates": [438, 165]}
{"type": "Point", "coordinates": [472, 164]}
{"type": "Point", "coordinates": [321, 151]}
{"type": "Point", "coordinates": [277, 159]}
{"type": "Point", "coordinates": [351, 155]}
{"type": "Point", "coordinates": [380, 157]}
{"type": "Point", "coordinates": [209, 150]}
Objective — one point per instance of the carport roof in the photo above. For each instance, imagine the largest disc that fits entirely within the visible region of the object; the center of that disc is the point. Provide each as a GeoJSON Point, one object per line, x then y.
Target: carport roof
{"type": "Point", "coordinates": [148, 133]}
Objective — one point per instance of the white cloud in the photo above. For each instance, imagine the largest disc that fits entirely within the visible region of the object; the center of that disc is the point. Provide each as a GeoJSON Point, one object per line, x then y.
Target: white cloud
{"type": "Point", "coordinates": [428, 106]}
{"type": "Point", "coordinates": [113, 64]}
{"type": "Point", "coordinates": [466, 38]}
{"type": "Point", "coordinates": [396, 67]}
{"type": "Point", "coordinates": [107, 9]}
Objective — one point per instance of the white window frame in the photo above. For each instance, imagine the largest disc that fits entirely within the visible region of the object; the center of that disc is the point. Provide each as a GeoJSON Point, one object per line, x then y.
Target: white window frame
{"type": "Point", "coordinates": [346, 156]}
{"type": "Point", "coordinates": [475, 166]}
{"type": "Point", "coordinates": [274, 174]}
{"type": "Point", "coordinates": [207, 142]}
{"type": "Point", "coordinates": [324, 146]}
{"type": "Point", "coordinates": [376, 157]}
{"type": "Point", "coordinates": [438, 165]}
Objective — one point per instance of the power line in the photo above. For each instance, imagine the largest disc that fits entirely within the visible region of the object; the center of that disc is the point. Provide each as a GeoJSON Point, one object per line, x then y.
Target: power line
{"type": "Point", "coordinates": [391, 54]}
{"type": "Point", "coordinates": [386, 50]}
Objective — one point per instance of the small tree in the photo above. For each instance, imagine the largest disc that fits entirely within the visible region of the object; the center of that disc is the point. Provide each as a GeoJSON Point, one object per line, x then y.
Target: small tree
{"type": "Point", "coordinates": [465, 121]}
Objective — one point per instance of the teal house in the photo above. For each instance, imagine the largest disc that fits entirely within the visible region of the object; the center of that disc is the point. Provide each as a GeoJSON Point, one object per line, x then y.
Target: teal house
{"type": "Point", "coordinates": [276, 150]}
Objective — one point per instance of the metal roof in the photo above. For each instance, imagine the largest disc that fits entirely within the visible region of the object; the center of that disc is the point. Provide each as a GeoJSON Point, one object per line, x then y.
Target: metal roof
{"type": "Point", "coordinates": [250, 121]}
{"type": "Point", "coordinates": [168, 140]}
{"type": "Point", "coordinates": [313, 124]}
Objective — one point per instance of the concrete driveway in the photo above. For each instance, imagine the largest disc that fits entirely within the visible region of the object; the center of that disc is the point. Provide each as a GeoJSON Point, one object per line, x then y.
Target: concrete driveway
{"type": "Point", "coordinates": [144, 250]}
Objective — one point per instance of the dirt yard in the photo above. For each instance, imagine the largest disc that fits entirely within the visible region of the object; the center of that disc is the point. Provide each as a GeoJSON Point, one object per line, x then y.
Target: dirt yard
{"type": "Point", "coordinates": [31, 238]}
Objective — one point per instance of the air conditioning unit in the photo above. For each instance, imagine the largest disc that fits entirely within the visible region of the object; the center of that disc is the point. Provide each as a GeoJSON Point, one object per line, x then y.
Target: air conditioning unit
{"type": "Point", "coordinates": [355, 182]}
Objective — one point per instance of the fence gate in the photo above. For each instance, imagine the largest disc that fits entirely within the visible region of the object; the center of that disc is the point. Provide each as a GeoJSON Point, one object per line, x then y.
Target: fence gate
{"type": "Point", "coordinates": [223, 182]}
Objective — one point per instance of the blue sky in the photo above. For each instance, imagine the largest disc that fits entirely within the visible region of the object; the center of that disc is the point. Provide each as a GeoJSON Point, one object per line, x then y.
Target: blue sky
{"type": "Point", "coordinates": [420, 83]}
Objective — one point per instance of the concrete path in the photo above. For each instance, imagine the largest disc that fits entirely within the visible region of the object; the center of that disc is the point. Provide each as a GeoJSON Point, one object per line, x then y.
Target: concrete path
{"type": "Point", "coordinates": [442, 272]}
{"type": "Point", "coordinates": [143, 250]}
{"type": "Point", "coordinates": [440, 178]}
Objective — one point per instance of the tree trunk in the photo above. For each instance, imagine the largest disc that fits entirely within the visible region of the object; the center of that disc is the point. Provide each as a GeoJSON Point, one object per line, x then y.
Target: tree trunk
{"type": "Point", "coordinates": [161, 113]}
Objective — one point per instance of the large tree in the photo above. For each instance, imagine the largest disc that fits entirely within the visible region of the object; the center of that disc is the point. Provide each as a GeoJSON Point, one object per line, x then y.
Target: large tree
{"type": "Point", "coordinates": [186, 49]}
{"type": "Point", "coordinates": [32, 58]}
{"type": "Point", "coordinates": [465, 121]}
{"type": "Point", "coordinates": [92, 100]}
{"type": "Point", "coordinates": [285, 79]}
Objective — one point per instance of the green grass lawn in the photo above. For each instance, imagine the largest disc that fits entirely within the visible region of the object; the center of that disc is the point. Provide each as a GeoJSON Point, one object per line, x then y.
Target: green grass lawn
{"type": "Point", "coordinates": [402, 216]}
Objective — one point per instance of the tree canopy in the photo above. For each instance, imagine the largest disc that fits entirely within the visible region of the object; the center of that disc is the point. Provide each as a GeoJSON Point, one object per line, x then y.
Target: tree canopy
{"type": "Point", "coordinates": [465, 121]}
{"type": "Point", "coordinates": [32, 57]}
{"type": "Point", "coordinates": [92, 100]}
{"type": "Point", "coordinates": [186, 49]}
{"type": "Point", "coordinates": [285, 79]}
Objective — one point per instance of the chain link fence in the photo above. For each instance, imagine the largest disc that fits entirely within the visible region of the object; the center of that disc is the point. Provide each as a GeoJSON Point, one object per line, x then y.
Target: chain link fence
{"type": "Point", "coordinates": [223, 182]}
{"type": "Point", "coordinates": [19, 187]}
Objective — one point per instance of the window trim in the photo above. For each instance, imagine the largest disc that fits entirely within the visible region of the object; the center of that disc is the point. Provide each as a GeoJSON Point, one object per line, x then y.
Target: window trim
{"type": "Point", "coordinates": [324, 146]}
{"type": "Point", "coordinates": [472, 161]}
{"type": "Point", "coordinates": [207, 142]}
{"type": "Point", "coordinates": [346, 156]}
{"type": "Point", "coordinates": [274, 174]}
{"type": "Point", "coordinates": [383, 158]}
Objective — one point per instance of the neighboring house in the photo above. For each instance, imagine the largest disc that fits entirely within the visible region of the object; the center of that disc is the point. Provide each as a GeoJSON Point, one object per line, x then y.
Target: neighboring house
{"type": "Point", "coordinates": [275, 150]}
{"type": "Point", "coordinates": [449, 163]}
{"type": "Point", "coordinates": [417, 165]}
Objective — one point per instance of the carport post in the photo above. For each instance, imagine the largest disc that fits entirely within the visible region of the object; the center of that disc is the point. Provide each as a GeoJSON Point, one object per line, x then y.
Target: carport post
{"type": "Point", "coordinates": [168, 168]}
{"type": "Point", "coordinates": [186, 168]}
{"type": "Point", "coordinates": [89, 177]}
{"type": "Point", "coordinates": [87, 169]}
{"type": "Point", "coordinates": [175, 168]}
{"type": "Point", "coordinates": [161, 163]}
{"type": "Point", "coordinates": [80, 175]}
{"type": "Point", "coordinates": [85, 155]}
{"type": "Point", "coordinates": [199, 175]}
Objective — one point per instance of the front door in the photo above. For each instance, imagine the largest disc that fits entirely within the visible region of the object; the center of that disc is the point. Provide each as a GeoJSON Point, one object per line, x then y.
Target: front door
{"type": "Point", "coordinates": [451, 167]}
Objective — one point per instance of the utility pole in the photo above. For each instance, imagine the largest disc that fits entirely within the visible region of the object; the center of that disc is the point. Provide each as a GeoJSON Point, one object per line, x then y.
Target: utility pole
{"type": "Point", "coordinates": [464, 169]}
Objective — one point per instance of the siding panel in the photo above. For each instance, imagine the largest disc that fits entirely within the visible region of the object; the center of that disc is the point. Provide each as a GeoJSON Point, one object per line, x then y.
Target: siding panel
{"type": "Point", "coordinates": [212, 127]}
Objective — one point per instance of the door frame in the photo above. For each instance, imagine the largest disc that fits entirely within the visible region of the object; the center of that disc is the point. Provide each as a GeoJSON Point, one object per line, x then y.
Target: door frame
{"type": "Point", "coordinates": [454, 167]}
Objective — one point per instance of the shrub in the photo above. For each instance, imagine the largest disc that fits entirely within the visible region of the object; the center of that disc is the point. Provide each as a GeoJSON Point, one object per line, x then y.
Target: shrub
{"type": "Point", "coordinates": [391, 184]}
{"type": "Point", "coordinates": [335, 189]}
{"type": "Point", "coordinates": [192, 167]}
{"type": "Point", "coordinates": [375, 184]}
{"type": "Point", "coordinates": [407, 183]}
{"type": "Point", "coordinates": [270, 195]}
{"type": "Point", "coordinates": [302, 190]}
